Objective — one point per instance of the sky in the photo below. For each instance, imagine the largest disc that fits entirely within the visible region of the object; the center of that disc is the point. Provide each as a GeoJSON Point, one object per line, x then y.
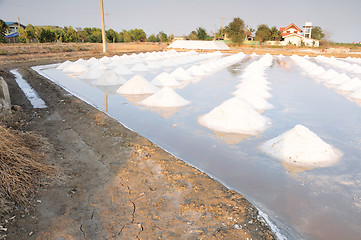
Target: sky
{"type": "Point", "coordinates": [340, 20]}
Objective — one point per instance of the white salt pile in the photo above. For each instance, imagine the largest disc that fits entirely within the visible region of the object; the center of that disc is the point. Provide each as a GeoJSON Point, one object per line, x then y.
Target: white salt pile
{"type": "Point", "coordinates": [356, 94]}
{"type": "Point", "coordinates": [339, 79]}
{"type": "Point", "coordinates": [350, 85]}
{"type": "Point", "coordinates": [196, 71]}
{"type": "Point", "coordinates": [165, 97]}
{"type": "Point", "coordinates": [109, 78]}
{"type": "Point", "coordinates": [137, 85]}
{"type": "Point", "coordinates": [234, 116]}
{"type": "Point", "coordinates": [64, 65]}
{"type": "Point", "coordinates": [187, 44]}
{"type": "Point", "coordinates": [92, 73]}
{"type": "Point", "coordinates": [254, 100]}
{"type": "Point", "coordinates": [181, 74]}
{"type": "Point", "coordinates": [329, 74]}
{"type": "Point", "coordinates": [139, 67]}
{"type": "Point", "coordinates": [75, 68]}
{"type": "Point", "coordinates": [302, 147]}
{"type": "Point", "coordinates": [165, 80]}
{"type": "Point", "coordinates": [121, 69]}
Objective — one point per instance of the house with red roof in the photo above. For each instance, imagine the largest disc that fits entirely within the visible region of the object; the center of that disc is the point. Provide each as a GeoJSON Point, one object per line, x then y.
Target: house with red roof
{"type": "Point", "coordinates": [291, 29]}
{"type": "Point", "coordinates": [292, 35]}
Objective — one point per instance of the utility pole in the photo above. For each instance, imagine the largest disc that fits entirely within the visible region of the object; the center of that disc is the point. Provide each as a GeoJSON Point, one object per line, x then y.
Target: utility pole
{"type": "Point", "coordinates": [215, 32]}
{"type": "Point", "coordinates": [105, 49]}
{"type": "Point", "coordinates": [222, 27]}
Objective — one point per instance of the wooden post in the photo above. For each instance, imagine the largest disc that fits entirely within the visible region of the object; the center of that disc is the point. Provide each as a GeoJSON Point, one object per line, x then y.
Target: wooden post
{"type": "Point", "coordinates": [105, 102]}
{"type": "Point", "coordinates": [105, 48]}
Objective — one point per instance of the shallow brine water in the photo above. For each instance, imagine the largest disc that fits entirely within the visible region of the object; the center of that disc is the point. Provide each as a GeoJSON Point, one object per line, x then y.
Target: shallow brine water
{"type": "Point", "coordinates": [320, 203]}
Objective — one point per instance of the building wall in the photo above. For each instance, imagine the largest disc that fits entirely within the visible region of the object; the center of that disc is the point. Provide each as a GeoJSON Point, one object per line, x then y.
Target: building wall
{"type": "Point", "coordinates": [292, 30]}
{"type": "Point", "coordinates": [297, 41]}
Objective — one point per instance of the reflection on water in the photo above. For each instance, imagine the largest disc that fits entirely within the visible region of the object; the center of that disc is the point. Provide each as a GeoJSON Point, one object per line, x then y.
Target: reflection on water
{"type": "Point", "coordinates": [294, 169]}
{"type": "Point", "coordinates": [320, 203]}
{"type": "Point", "coordinates": [232, 138]}
{"type": "Point", "coordinates": [163, 112]}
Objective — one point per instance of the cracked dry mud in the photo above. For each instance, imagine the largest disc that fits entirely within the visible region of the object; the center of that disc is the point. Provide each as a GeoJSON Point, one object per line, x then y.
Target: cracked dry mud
{"type": "Point", "coordinates": [116, 184]}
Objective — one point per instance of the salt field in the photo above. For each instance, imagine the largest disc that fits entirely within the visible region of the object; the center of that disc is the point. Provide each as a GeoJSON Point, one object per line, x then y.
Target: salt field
{"type": "Point", "coordinates": [282, 131]}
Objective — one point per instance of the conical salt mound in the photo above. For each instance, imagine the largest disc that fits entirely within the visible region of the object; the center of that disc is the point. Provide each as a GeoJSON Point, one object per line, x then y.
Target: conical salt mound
{"type": "Point", "coordinates": [75, 68]}
{"type": "Point", "coordinates": [121, 69]}
{"type": "Point", "coordinates": [165, 80]}
{"type": "Point", "coordinates": [181, 74]}
{"type": "Point", "coordinates": [339, 79]}
{"type": "Point", "coordinates": [92, 73]}
{"type": "Point", "coordinates": [139, 67]}
{"type": "Point", "coordinates": [350, 85]}
{"type": "Point", "coordinates": [329, 74]}
{"type": "Point", "coordinates": [196, 71]}
{"type": "Point", "coordinates": [165, 97]}
{"type": "Point", "coordinates": [64, 65]}
{"type": "Point", "coordinates": [356, 94]}
{"type": "Point", "coordinates": [234, 116]}
{"type": "Point", "coordinates": [255, 100]}
{"type": "Point", "coordinates": [137, 85]}
{"type": "Point", "coordinates": [109, 79]}
{"type": "Point", "coordinates": [302, 147]}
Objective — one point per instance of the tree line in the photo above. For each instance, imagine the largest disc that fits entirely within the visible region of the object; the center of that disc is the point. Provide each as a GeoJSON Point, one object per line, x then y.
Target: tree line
{"type": "Point", "coordinates": [236, 30]}
{"type": "Point", "coordinates": [93, 35]}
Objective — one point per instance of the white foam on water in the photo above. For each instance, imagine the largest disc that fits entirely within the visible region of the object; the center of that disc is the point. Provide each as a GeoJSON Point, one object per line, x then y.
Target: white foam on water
{"type": "Point", "coordinates": [137, 85]}
{"type": "Point", "coordinates": [301, 147]}
{"type": "Point", "coordinates": [234, 116]}
{"type": "Point", "coordinates": [165, 97]}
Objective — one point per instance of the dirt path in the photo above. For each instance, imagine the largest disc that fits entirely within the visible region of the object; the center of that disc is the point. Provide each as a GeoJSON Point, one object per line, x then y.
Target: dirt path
{"type": "Point", "coordinates": [116, 184]}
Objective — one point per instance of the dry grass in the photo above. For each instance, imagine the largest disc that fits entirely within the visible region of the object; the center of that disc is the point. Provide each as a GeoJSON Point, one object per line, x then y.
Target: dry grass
{"type": "Point", "coordinates": [21, 165]}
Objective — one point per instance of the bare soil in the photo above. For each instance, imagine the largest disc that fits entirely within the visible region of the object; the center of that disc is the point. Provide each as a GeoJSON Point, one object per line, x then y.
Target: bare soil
{"type": "Point", "coordinates": [112, 182]}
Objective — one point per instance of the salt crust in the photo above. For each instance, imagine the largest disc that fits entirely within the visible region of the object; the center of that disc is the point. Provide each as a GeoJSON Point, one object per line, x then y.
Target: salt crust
{"type": "Point", "coordinates": [165, 97]}
{"type": "Point", "coordinates": [302, 147]}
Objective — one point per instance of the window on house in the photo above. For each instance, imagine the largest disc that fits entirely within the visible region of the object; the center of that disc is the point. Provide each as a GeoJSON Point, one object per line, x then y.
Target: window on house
{"type": "Point", "coordinates": [288, 31]}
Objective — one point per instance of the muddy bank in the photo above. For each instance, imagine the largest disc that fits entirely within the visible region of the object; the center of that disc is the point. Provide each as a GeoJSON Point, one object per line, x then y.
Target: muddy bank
{"type": "Point", "coordinates": [115, 184]}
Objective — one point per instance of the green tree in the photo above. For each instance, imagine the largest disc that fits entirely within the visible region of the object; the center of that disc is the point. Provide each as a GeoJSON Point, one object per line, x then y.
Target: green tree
{"type": "Point", "coordinates": [235, 30]}
{"type": "Point", "coordinates": [126, 36]}
{"type": "Point", "coordinates": [153, 38]}
{"type": "Point", "coordinates": [276, 34]}
{"type": "Point", "coordinates": [263, 33]}
{"type": "Point", "coordinates": [112, 36]}
{"type": "Point", "coordinates": [137, 35]}
{"type": "Point", "coordinates": [192, 36]}
{"type": "Point", "coordinates": [201, 33]}
{"type": "Point", "coordinates": [82, 35]}
{"type": "Point", "coordinates": [317, 33]}
{"type": "Point", "coordinates": [162, 36]}
{"type": "Point", "coordinates": [3, 30]}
